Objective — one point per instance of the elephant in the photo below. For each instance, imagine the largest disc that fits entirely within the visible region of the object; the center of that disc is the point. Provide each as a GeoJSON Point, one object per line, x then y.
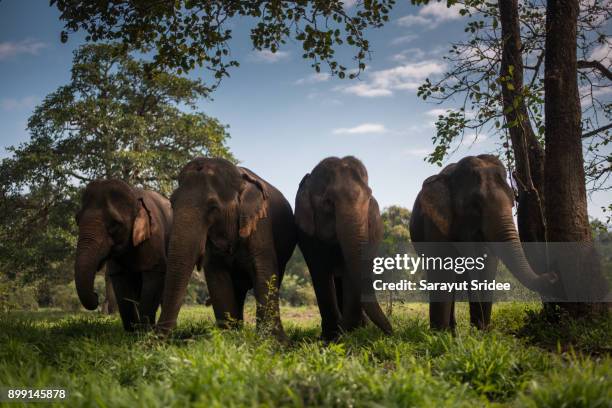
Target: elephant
{"type": "Point", "coordinates": [241, 230]}
{"type": "Point", "coordinates": [470, 202]}
{"type": "Point", "coordinates": [339, 230]}
{"type": "Point", "coordinates": [127, 228]}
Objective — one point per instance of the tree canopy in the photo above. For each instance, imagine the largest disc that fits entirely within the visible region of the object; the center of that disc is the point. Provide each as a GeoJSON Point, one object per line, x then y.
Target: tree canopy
{"type": "Point", "coordinates": [116, 118]}
{"type": "Point", "coordinates": [396, 230]}
{"type": "Point", "coordinates": [478, 75]}
{"type": "Point", "coordinates": [184, 34]}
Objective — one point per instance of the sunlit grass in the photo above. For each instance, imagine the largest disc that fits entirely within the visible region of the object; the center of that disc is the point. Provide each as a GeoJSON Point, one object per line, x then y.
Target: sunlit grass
{"type": "Point", "coordinates": [99, 364]}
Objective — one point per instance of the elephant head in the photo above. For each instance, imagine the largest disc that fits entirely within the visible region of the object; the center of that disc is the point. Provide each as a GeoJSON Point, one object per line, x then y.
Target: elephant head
{"type": "Point", "coordinates": [470, 201]}
{"type": "Point", "coordinates": [215, 205]}
{"type": "Point", "coordinates": [335, 205]}
{"type": "Point", "coordinates": [112, 219]}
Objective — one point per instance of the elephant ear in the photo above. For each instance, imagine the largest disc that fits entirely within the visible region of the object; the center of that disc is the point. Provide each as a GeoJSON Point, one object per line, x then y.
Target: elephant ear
{"type": "Point", "coordinates": [435, 201]}
{"type": "Point", "coordinates": [304, 217]}
{"type": "Point", "coordinates": [253, 205]}
{"type": "Point", "coordinates": [141, 230]}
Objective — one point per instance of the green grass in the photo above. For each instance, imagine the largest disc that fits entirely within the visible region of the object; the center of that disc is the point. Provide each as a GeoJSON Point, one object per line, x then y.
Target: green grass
{"type": "Point", "coordinates": [512, 365]}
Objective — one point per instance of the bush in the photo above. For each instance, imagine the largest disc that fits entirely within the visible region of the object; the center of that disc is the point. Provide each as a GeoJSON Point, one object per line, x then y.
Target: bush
{"type": "Point", "coordinates": [296, 291]}
{"type": "Point", "coordinates": [16, 297]}
{"type": "Point", "coordinates": [65, 297]}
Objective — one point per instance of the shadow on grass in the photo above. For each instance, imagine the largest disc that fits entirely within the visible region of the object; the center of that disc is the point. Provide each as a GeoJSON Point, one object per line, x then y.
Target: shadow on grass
{"type": "Point", "coordinates": [557, 331]}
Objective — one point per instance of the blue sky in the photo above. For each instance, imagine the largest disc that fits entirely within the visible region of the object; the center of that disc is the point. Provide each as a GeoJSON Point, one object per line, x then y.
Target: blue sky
{"type": "Point", "coordinates": [283, 118]}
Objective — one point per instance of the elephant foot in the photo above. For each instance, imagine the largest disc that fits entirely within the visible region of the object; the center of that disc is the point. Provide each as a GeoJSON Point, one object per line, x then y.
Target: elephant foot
{"type": "Point", "coordinates": [229, 324]}
{"type": "Point", "coordinates": [330, 336]}
{"type": "Point", "coordinates": [480, 325]}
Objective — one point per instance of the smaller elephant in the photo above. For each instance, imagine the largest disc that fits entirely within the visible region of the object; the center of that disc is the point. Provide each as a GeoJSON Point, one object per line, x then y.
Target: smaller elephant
{"type": "Point", "coordinates": [127, 228]}
{"type": "Point", "coordinates": [241, 230]}
{"type": "Point", "coordinates": [468, 207]}
{"type": "Point", "coordinates": [339, 230]}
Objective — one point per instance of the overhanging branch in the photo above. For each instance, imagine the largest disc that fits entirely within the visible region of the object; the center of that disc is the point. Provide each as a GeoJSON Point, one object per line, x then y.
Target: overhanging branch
{"type": "Point", "coordinates": [596, 131]}
{"type": "Point", "coordinates": [595, 65]}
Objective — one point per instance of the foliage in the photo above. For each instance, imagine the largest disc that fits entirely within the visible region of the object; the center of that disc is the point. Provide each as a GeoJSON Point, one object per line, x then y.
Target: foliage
{"type": "Point", "coordinates": [116, 118]}
{"type": "Point", "coordinates": [396, 227]}
{"type": "Point", "coordinates": [297, 266]}
{"type": "Point", "coordinates": [95, 360]}
{"type": "Point", "coordinates": [296, 291]}
{"type": "Point", "coordinates": [474, 80]}
{"type": "Point", "coordinates": [16, 297]}
{"type": "Point", "coordinates": [187, 33]}
{"type": "Point", "coordinates": [64, 297]}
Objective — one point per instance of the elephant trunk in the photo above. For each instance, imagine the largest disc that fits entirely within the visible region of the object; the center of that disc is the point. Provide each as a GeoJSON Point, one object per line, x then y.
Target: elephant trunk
{"type": "Point", "coordinates": [186, 245]}
{"type": "Point", "coordinates": [352, 232]}
{"type": "Point", "coordinates": [513, 256]}
{"type": "Point", "coordinates": [90, 255]}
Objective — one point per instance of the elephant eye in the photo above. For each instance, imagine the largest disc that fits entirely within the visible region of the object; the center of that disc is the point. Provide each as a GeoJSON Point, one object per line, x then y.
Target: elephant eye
{"type": "Point", "coordinates": [212, 205]}
{"type": "Point", "coordinates": [115, 227]}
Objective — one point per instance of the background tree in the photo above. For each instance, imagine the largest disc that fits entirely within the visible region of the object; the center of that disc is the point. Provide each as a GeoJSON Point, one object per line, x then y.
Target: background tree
{"type": "Point", "coordinates": [542, 120]}
{"type": "Point", "coordinates": [116, 118]}
{"type": "Point", "coordinates": [396, 233]}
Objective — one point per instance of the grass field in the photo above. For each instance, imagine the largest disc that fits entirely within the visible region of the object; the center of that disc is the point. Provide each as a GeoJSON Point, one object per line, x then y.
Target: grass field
{"type": "Point", "coordinates": [521, 362]}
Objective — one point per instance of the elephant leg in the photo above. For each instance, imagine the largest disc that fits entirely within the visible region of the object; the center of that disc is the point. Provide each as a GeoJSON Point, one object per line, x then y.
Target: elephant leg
{"type": "Point", "coordinates": [339, 298]}
{"type": "Point", "coordinates": [125, 286]}
{"type": "Point", "coordinates": [324, 287]}
{"type": "Point", "coordinates": [480, 314]}
{"type": "Point", "coordinates": [150, 296]}
{"type": "Point", "coordinates": [266, 288]}
{"type": "Point", "coordinates": [352, 312]}
{"type": "Point", "coordinates": [338, 290]}
{"type": "Point", "coordinates": [264, 271]}
{"type": "Point", "coordinates": [441, 303]}
{"type": "Point", "coordinates": [241, 288]}
{"type": "Point", "coordinates": [441, 315]}
{"type": "Point", "coordinates": [481, 307]}
{"type": "Point", "coordinates": [221, 292]}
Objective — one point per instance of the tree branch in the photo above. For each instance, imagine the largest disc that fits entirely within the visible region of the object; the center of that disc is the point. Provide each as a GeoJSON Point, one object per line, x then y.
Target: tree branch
{"type": "Point", "coordinates": [596, 131]}
{"type": "Point", "coordinates": [595, 65]}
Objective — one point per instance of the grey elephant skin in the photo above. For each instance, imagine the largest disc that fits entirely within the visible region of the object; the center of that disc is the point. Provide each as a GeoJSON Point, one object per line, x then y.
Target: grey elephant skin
{"type": "Point", "coordinates": [339, 229]}
{"type": "Point", "coordinates": [241, 230]}
{"type": "Point", "coordinates": [470, 202]}
{"type": "Point", "coordinates": [128, 229]}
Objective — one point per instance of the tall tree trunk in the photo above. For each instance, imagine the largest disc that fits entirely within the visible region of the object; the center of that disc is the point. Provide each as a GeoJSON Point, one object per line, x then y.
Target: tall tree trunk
{"type": "Point", "coordinates": [566, 203]}
{"type": "Point", "coordinates": [528, 153]}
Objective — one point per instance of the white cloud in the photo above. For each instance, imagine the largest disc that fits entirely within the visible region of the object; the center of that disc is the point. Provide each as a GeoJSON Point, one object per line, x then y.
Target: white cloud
{"type": "Point", "coordinates": [268, 56]}
{"type": "Point", "coordinates": [364, 128]}
{"type": "Point", "coordinates": [11, 104]}
{"type": "Point", "coordinates": [349, 3]}
{"type": "Point", "coordinates": [314, 78]}
{"type": "Point", "coordinates": [11, 48]}
{"type": "Point", "coordinates": [417, 152]}
{"type": "Point", "coordinates": [413, 19]}
{"type": "Point", "coordinates": [411, 54]}
{"type": "Point", "coordinates": [602, 54]}
{"type": "Point", "coordinates": [366, 90]}
{"type": "Point", "coordinates": [473, 138]}
{"type": "Point", "coordinates": [403, 77]}
{"type": "Point", "coordinates": [436, 112]}
{"type": "Point", "coordinates": [404, 39]}
{"type": "Point", "coordinates": [431, 15]}
{"type": "Point", "coordinates": [440, 11]}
